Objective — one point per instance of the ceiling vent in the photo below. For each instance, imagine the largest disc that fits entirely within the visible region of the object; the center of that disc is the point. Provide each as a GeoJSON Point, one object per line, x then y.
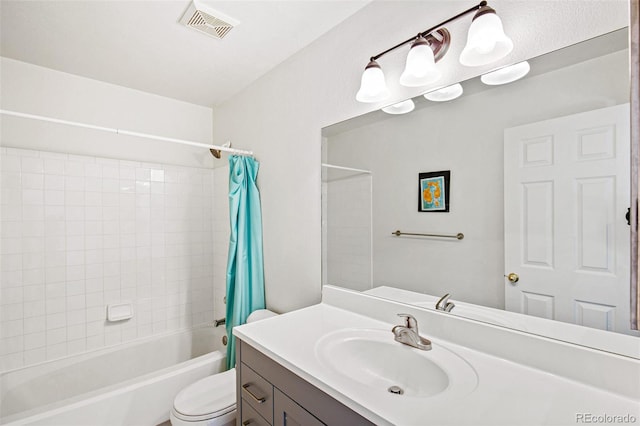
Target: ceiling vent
{"type": "Point", "coordinates": [202, 18]}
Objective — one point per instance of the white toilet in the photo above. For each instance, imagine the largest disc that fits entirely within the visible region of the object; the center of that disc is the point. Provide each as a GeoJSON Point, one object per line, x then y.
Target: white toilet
{"type": "Point", "coordinates": [211, 401]}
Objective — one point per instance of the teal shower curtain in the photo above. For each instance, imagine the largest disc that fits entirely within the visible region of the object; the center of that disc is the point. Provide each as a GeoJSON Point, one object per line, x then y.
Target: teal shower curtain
{"type": "Point", "coordinates": [245, 273]}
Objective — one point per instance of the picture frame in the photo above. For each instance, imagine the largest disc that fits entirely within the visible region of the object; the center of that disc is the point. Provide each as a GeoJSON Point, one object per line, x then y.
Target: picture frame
{"type": "Point", "coordinates": [434, 189]}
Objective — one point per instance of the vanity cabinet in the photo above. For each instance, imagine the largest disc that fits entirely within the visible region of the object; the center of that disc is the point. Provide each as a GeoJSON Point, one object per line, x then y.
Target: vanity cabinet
{"type": "Point", "coordinates": [270, 394]}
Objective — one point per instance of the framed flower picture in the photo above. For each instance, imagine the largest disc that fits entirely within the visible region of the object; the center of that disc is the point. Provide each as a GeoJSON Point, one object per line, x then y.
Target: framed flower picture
{"type": "Point", "coordinates": [433, 191]}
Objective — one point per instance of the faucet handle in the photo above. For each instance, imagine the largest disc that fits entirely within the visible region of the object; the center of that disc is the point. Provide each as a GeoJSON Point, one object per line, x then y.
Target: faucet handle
{"type": "Point", "coordinates": [444, 305]}
{"type": "Point", "coordinates": [410, 321]}
{"type": "Point", "coordinates": [440, 304]}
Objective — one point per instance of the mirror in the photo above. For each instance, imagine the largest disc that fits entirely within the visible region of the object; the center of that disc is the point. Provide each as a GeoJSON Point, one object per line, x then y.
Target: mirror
{"type": "Point", "coordinates": [538, 185]}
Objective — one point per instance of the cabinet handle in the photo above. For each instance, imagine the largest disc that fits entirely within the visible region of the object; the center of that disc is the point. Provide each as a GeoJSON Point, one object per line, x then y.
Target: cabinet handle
{"type": "Point", "coordinates": [259, 400]}
{"type": "Point", "coordinates": [246, 422]}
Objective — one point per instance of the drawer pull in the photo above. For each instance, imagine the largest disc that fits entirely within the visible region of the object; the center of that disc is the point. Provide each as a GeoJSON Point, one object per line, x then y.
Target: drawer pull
{"type": "Point", "coordinates": [246, 422]}
{"type": "Point", "coordinates": [259, 400]}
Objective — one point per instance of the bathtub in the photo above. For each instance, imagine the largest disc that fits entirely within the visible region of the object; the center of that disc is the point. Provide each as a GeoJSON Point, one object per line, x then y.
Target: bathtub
{"type": "Point", "coordinates": [128, 384]}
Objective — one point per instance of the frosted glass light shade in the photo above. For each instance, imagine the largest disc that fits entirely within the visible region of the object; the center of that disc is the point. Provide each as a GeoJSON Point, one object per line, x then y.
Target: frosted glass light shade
{"type": "Point", "coordinates": [486, 40]}
{"type": "Point", "coordinates": [420, 68]}
{"type": "Point", "coordinates": [373, 87]}
{"type": "Point", "coordinates": [445, 94]}
{"type": "Point", "coordinates": [507, 74]}
{"type": "Point", "coordinates": [400, 108]}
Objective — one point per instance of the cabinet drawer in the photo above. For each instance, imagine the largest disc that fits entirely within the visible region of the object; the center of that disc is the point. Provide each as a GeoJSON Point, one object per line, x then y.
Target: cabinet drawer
{"type": "Point", "coordinates": [257, 392]}
{"type": "Point", "coordinates": [250, 417]}
{"type": "Point", "coordinates": [289, 413]}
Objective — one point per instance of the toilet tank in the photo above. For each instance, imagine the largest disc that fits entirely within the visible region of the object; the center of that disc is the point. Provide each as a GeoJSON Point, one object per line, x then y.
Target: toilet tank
{"type": "Point", "coordinates": [260, 314]}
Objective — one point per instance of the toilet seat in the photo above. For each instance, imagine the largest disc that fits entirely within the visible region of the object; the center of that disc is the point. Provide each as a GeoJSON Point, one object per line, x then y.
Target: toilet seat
{"type": "Point", "coordinates": [211, 397]}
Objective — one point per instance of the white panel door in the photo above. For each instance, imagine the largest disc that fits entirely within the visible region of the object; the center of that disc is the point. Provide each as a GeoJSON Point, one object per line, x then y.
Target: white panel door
{"type": "Point", "coordinates": [566, 236]}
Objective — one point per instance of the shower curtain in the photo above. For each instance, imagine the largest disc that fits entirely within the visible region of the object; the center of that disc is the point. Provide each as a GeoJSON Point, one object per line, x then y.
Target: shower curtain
{"type": "Point", "coordinates": [245, 273]}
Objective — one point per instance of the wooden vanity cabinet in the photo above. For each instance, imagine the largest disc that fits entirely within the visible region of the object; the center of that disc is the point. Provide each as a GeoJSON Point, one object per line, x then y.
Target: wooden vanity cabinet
{"type": "Point", "coordinates": [269, 394]}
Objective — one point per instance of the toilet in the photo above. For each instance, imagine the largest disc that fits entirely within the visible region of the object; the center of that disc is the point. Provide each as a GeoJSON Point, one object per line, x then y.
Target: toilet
{"type": "Point", "coordinates": [211, 401]}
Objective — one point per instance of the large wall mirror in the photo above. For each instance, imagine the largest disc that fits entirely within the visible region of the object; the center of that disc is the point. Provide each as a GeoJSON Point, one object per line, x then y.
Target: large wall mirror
{"type": "Point", "coordinates": [538, 185]}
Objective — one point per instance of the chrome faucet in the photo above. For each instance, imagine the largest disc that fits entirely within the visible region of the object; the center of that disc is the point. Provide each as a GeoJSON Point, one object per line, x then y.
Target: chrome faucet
{"type": "Point", "coordinates": [444, 305]}
{"type": "Point", "coordinates": [407, 334]}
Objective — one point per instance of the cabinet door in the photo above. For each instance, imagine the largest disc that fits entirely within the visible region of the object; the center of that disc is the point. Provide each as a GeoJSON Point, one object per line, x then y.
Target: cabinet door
{"type": "Point", "coordinates": [287, 413]}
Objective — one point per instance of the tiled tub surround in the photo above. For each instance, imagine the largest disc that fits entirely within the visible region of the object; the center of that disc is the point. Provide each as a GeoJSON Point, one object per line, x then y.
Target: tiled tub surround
{"type": "Point", "coordinates": [80, 232]}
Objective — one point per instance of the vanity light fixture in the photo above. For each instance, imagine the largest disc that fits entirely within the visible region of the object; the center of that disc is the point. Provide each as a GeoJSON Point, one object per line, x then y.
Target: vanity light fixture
{"type": "Point", "coordinates": [373, 88]}
{"type": "Point", "coordinates": [420, 68]}
{"type": "Point", "coordinates": [486, 43]}
{"type": "Point", "coordinates": [400, 108]}
{"type": "Point", "coordinates": [507, 74]}
{"type": "Point", "coordinates": [445, 94]}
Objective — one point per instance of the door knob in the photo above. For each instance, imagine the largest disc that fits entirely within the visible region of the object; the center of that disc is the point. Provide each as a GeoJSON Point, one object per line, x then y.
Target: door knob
{"type": "Point", "coordinates": [513, 277]}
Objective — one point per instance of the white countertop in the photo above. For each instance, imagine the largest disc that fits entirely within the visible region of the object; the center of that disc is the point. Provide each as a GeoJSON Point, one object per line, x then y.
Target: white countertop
{"type": "Point", "coordinates": [507, 393]}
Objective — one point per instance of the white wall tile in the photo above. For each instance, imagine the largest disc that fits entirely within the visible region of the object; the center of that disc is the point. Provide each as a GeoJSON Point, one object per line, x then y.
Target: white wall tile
{"type": "Point", "coordinates": [54, 214]}
{"type": "Point", "coordinates": [35, 324]}
{"type": "Point", "coordinates": [11, 262]}
{"type": "Point", "coordinates": [33, 293]}
{"type": "Point", "coordinates": [56, 306]}
{"type": "Point", "coordinates": [11, 295]}
{"type": "Point", "coordinates": [35, 356]}
{"type": "Point", "coordinates": [93, 184]}
{"type": "Point", "coordinates": [92, 170]}
{"type": "Point", "coordinates": [32, 244]}
{"type": "Point", "coordinates": [10, 163]}
{"type": "Point", "coordinates": [11, 212]}
{"type": "Point", "coordinates": [34, 228]}
{"type": "Point", "coordinates": [110, 185]}
{"type": "Point", "coordinates": [35, 340]}
{"type": "Point", "coordinates": [57, 351]}
{"type": "Point", "coordinates": [55, 274]}
{"type": "Point", "coordinates": [33, 276]}
{"type": "Point", "coordinates": [35, 309]}
{"type": "Point", "coordinates": [32, 212]}
{"type": "Point", "coordinates": [77, 319]}
{"type": "Point", "coordinates": [157, 175]}
{"type": "Point", "coordinates": [76, 346]}
{"type": "Point", "coordinates": [53, 166]}
{"type": "Point", "coordinates": [55, 258]}
{"type": "Point", "coordinates": [76, 287]}
{"type": "Point", "coordinates": [32, 165]}
{"type": "Point", "coordinates": [53, 197]}
{"type": "Point", "coordinates": [32, 181]}
{"type": "Point", "coordinates": [74, 168]}
{"type": "Point", "coordinates": [32, 196]}
{"type": "Point", "coordinates": [55, 290]}
{"type": "Point", "coordinates": [74, 183]}
{"type": "Point", "coordinates": [33, 260]}
{"type": "Point", "coordinates": [56, 321]}
{"type": "Point", "coordinates": [75, 272]}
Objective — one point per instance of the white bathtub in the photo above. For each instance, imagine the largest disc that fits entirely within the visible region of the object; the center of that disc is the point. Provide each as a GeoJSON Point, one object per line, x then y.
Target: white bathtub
{"type": "Point", "coordinates": [129, 384]}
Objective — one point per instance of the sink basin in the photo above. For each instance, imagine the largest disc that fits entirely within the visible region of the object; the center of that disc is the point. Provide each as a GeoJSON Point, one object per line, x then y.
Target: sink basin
{"type": "Point", "coordinates": [375, 361]}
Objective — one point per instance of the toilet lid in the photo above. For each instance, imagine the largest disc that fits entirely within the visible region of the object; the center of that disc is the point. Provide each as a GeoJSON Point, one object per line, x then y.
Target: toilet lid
{"type": "Point", "coordinates": [210, 397]}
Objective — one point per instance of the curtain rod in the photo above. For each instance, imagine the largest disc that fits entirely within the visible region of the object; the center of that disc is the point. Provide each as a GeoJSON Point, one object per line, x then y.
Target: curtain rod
{"type": "Point", "coordinates": [127, 132]}
{"type": "Point", "coordinates": [350, 169]}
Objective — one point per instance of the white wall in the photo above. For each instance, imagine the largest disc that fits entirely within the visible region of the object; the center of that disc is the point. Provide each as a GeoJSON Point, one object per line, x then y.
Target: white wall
{"type": "Point", "coordinates": [464, 136]}
{"type": "Point", "coordinates": [37, 90]}
{"type": "Point", "coordinates": [281, 114]}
